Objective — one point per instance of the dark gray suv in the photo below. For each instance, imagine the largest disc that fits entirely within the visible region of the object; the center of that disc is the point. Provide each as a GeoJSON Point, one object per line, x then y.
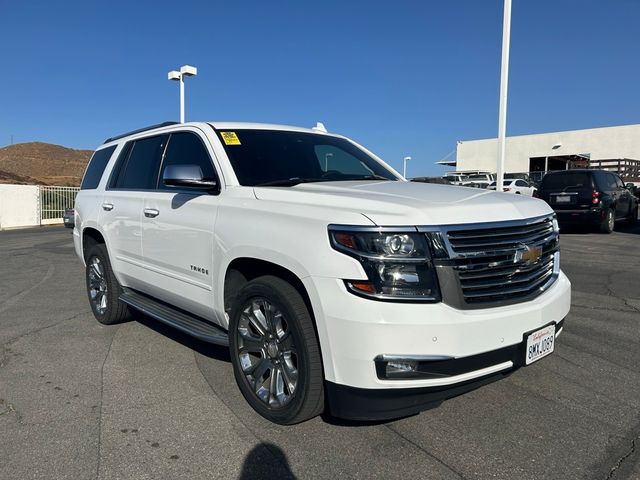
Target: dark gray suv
{"type": "Point", "coordinates": [588, 197]}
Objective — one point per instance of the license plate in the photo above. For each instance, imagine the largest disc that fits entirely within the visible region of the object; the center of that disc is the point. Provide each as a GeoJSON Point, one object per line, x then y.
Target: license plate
{"type": "Point", "coordinates": [540, 344]}
{"type": "Point", "coordinates": [66, 220]}
{"type": "Point", "coordinates": [563, 199]}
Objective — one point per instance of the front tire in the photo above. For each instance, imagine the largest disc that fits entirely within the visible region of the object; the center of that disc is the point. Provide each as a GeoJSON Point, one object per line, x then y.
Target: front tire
{"type": "Point", "coordinates": [103, 288]}
{"type": "Point", "coordinates": [275, 352]}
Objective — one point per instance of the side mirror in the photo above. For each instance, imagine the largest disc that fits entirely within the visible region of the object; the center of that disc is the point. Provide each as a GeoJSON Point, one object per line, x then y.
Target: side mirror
{"type": "Point", "coordinates": [631, 186]}
{"type": "Point", "coordinates": [186, 176]}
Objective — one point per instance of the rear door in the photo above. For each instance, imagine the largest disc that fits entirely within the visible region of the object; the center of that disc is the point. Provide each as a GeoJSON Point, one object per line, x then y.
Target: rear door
{"type": "Point", "coordinates": [177, 236]}
{"type": "Point", "coordinates": [121, 212]}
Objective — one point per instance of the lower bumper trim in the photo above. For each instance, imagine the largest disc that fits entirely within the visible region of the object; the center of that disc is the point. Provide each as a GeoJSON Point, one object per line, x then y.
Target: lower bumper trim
{"type": "Point", "coordinates": [367, 404]}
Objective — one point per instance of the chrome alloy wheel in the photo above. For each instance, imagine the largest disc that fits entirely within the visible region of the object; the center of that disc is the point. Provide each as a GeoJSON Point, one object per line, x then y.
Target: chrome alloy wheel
{"type": "Point", "coordinates": [267, 353]}
{"type": "Point", "coordinates": [611, 220]}
{"type": "Point", "coordinates": [97, 285]}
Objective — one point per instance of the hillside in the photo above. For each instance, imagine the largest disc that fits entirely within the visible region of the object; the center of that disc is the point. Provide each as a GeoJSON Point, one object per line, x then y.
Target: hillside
{"type": "Point", "coordinates": [42, 163]}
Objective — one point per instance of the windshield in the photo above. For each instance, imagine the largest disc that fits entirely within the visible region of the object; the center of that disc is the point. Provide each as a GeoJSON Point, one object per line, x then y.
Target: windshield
{"type": "Point", "coordinates": [477, 177]}
{"type": "Point", "coordinates": [286, 158]}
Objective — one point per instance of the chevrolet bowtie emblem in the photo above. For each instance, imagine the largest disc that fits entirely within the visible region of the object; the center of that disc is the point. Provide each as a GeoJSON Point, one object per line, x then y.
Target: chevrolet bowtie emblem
{"type": "Point", "coordinates": [527, 255]}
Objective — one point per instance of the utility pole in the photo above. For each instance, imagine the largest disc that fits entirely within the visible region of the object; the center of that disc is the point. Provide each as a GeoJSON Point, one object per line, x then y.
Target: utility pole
{"type": "Point", "coordinates": [504, 81]}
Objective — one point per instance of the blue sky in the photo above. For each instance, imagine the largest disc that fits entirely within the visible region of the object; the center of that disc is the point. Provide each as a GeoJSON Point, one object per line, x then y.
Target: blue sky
{"type": "Point", "coordinates": [403, 78]}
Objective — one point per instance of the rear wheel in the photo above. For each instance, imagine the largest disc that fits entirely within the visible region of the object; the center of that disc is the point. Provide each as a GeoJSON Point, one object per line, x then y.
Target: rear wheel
{"type": "Point", "coordinates": [608, 222]}
{"type": "Point", "coordinates": [275, 352]}
{"type": "Point", "coordinates": [103, 288]}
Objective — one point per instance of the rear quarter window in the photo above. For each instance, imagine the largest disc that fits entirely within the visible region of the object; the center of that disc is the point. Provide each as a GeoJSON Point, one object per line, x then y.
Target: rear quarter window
{"type": "Point", "coordinates": [96, 167]}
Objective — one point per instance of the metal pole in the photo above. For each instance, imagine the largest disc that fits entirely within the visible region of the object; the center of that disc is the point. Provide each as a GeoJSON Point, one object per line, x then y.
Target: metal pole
{"type": "Point", "coordinates": [404, 168]}
{"type": "Point", "coordinates": [504, 80]}
{"type": "Point", "coordinates": [181, 98]}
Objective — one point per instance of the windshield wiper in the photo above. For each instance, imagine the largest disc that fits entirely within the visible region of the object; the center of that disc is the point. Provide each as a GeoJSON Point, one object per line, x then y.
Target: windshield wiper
{"type": "Point", "coordinates": [288, 182]}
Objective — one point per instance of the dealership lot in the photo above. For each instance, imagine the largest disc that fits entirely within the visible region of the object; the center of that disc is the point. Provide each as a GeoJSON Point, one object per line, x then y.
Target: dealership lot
{"type": "Point", "coordinates": [138, 400]}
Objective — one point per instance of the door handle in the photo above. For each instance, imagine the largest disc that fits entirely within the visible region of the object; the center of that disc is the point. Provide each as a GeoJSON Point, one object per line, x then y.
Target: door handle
{"type": "Point", "coordinates": [151, 212]}
{"type": "Point", "coordinates": [107, 206]}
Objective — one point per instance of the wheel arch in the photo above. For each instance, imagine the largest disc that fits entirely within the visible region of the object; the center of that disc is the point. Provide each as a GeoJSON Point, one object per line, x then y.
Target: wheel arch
{"type": "Point", "coordinates": [90, 237]}
{"type": "Point", "coordinates": [252, 267]}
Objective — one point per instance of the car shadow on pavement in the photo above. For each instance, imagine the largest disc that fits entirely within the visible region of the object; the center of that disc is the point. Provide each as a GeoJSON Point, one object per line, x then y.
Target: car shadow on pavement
{"type": "Point", "coordinates": [266, 461]}
{"type": "Point", "coordinates": [621, 227]}
{"type": "Point", "coordinates": [210, 350]}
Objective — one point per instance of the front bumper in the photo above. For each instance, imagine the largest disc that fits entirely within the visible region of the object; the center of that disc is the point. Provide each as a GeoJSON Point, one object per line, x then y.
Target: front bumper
{"type": "Point", "coordinates": [382, 404]}
{"type": "Point", "coordinates": [354, 331]}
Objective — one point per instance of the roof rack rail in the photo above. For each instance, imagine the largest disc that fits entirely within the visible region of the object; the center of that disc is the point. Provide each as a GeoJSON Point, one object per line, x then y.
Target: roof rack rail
{"type": "Point", "coordinates": [140, 130]}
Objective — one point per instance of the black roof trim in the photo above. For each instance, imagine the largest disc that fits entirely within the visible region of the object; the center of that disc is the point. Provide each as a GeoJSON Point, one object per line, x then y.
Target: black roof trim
{"type": "Point", "coordinates": [140, 130]}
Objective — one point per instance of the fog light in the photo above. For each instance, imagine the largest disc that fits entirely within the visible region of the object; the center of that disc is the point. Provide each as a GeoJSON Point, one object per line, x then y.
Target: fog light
{"type": "Point", "coordinates": [401, 367]}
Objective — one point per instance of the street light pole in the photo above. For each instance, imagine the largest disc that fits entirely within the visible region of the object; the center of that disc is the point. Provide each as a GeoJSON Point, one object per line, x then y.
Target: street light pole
{"type": "Point", "coordinates": [504, 81]}
{"type": "Point", "coordinates": [181, 99]}
{"type": "Point", "coordinates": [404, 170]}
{"type": "Point", "coordinates": [185, 71]}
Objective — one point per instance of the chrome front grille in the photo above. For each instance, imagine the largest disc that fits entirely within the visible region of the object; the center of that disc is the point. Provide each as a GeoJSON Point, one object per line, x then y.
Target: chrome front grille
{"type": "Point", "coordinates": [501, 263]}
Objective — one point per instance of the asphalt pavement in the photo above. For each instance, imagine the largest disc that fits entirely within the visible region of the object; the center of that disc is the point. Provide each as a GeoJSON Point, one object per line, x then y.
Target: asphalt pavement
{"type": "Point", "coordinates": [80, 400]}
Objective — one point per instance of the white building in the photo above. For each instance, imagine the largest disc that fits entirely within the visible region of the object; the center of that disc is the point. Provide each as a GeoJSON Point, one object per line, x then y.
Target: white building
{"type": "Point", "coordinates": [612, 148]}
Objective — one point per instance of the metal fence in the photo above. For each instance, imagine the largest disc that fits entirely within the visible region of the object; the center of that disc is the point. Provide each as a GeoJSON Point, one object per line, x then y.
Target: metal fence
{"type": "Point", "coordinates": [53, 201]}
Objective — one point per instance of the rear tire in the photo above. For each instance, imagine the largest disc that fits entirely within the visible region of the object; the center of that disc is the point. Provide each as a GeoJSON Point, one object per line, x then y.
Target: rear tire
{"type": "Point", "coordinates": [103, 288]}
{"type": "Point", "coordinates": [275, 352]}
{"type": "Point", "coordinates": [608, 222]}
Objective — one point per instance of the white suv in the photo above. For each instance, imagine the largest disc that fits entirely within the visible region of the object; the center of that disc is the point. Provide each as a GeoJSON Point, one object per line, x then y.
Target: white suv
{"type": "Point", "coordinates": [330, 277]}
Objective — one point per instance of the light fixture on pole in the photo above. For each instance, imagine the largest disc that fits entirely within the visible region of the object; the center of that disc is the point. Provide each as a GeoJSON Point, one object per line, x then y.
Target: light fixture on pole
{"type": "Point", "coordinates": [185, 71]}
{"type": "Point", "coordinates": [404, 169]}
{"type": "Point", "coordinates": [504, 81]}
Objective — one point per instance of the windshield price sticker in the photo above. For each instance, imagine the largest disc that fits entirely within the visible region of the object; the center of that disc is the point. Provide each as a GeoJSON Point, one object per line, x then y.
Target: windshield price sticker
{"type": "Point", "coordinates": [540, 344]}
{"type": "Point", "coordinates": [230, 138]}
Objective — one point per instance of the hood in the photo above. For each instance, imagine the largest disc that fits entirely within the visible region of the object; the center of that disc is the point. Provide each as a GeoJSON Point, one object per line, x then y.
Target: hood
{"type": "Point", "coordinates": [408, 203]}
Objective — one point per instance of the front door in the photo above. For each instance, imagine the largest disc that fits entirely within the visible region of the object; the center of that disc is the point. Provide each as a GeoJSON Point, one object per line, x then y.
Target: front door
{"type": "Point", "coordinates": [177, 233]}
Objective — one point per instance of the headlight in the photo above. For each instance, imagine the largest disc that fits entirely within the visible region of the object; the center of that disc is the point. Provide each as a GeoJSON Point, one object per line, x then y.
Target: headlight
{"type": "Point", "coordinates": [397, 263]}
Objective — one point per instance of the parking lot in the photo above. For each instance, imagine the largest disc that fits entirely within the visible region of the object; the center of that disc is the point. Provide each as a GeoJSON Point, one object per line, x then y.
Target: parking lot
{"type": "Point", "coordinates": [80, 400]}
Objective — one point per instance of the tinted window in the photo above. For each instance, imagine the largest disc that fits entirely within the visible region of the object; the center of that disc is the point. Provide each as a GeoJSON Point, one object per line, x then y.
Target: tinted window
{"type": "Point", "coordinates": [140, 170]}
{"type": "Point", "coordinates": [611, 181]}
{"type": "Point", "coordinates": [521, 183]}
{"type": "Point", "coordinates": [96, 167]}
{"type": "Point", "coordinates": [619, 182]}
{"type": "Point", "coordinates": [187, 149]}
{"type": "Point", "coordinates": [263, 156]}
{"type": "Point", "coordinates": [566, 181]}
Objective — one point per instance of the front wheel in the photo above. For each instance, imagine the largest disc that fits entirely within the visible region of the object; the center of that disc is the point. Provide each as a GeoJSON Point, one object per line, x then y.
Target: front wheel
{"type": "Point", "coordinates": [275, 352]}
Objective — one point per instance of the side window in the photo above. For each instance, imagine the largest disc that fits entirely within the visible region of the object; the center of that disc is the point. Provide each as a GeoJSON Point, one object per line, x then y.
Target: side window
{"type": "Point", "coordinates": [186, 148]}
{"type": "Point", "coordinates": [96, 167]}
{"type": "Point", "coordinates": [619, 182]}
{"type": "Point", "coordinates": [611, 181]}
{"type": "Point", "coordinates": [521, 183]}
{"type": "Point", "coordinates": [139, 171]}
